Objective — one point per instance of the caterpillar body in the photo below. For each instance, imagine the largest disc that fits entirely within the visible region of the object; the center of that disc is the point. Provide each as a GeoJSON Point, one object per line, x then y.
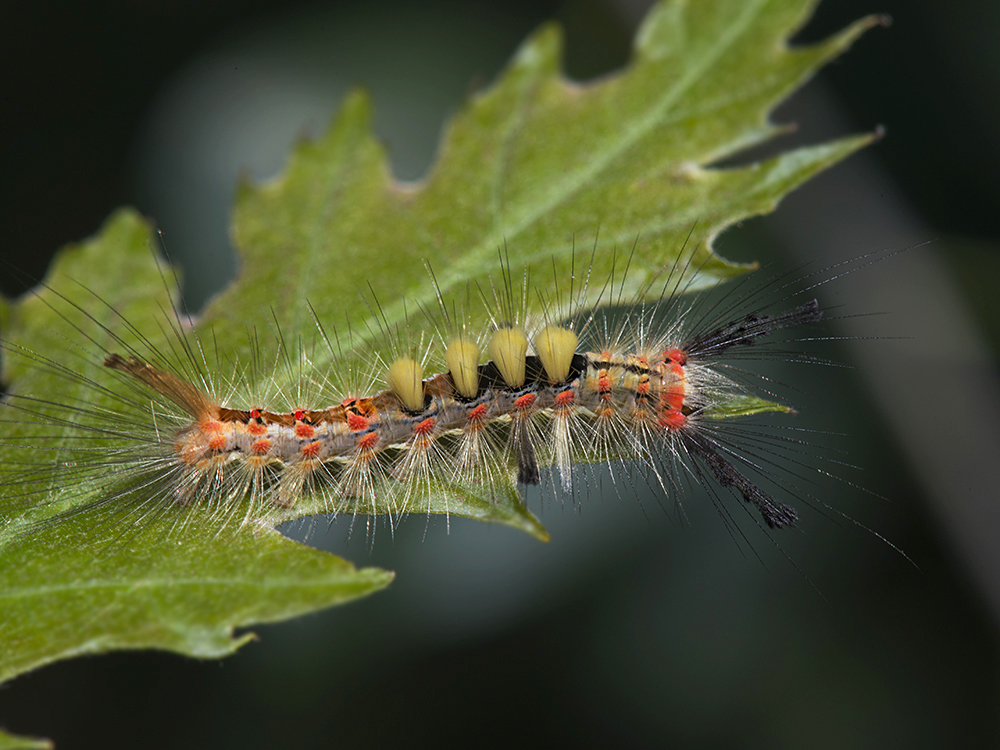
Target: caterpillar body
{"type": "Point", "coordinates": [649, 388]}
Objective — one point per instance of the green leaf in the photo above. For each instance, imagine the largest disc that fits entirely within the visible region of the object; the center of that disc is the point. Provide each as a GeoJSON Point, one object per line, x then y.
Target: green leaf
{"type": "Point", "coordinates": [14, 742]}
{"type": "Point", "coordinates": [183, 590]}
{"type": "Point", "coordinates": [528, 165]}
{"type": "Point", "coordinates": [533, 162]}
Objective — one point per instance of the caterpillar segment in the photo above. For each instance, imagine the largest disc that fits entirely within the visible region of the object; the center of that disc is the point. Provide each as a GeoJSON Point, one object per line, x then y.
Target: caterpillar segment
{"type": "Point", "coordinates": [514, 390]}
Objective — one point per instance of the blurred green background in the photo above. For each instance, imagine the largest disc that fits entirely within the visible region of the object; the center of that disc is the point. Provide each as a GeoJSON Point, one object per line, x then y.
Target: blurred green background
{"type": "Point", "coordinates": [632, 627]}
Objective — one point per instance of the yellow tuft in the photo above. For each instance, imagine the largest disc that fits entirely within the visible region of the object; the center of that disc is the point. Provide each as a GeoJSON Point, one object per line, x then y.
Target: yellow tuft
{"type": "Point", "coordinates": [462, 357]}
{"type": "Point", "coordinates": [508, 348]}
{"type": "Point", "coordinates": [555, 347]}
{"type": "Point", "coordinates": [406, 379]}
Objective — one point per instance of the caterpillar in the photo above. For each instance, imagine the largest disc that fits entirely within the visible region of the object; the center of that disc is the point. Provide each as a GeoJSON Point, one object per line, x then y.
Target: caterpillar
{"type": "Point", "coordinates": [651, 386]}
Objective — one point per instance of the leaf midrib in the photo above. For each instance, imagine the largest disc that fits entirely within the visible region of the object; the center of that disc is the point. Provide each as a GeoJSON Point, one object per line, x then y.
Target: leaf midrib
{"type": "Point", "coordinates": [169, 583]}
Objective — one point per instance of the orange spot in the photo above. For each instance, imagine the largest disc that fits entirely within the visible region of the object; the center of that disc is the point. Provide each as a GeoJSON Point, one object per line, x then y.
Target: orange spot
{"type": "Point", "coordinates": [604, 385]}
{"type": "Point", "coordinates": [643, 388]}
{"type": "Point", "coordinates": [369, 441]}
{"type": "Point", "coordinates": [605, 355]}
{"type": "Point", "coordinates": [261, 446]}
{"type": "Point", "coordinates": [311, 450]}
{"type": "Point", "coordinates": [478, 413]}
{"type": "Point", "coordinates": [356, 423]}
{"type": "Point", "coordinates": [565, 398]}
{"type": "Point", "coordinates": [217, 442]}
{"type": "Point", "coordinates": [304, 431]}
{"type": "Point", "coordinates": [676, 370]}
{"type": "Point", "coordinates": [425, 427]}
{"type": "Point", "coordinates": [211, 426]}
{"type": "Point", "coordinates": [676, 355]}
{"type": "Point", "coordinates": [606, 413]}
{"type": "Point", "coordinates": [672, 420]}
{"type": "Point", "coordinates": [524, 402]}
{"type": "Point", "coordinates": [190, 455]}
{"type": "Point", "coordinates": [256, 429]}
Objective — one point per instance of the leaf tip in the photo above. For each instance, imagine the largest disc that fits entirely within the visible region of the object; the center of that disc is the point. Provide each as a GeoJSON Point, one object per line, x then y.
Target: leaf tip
{"type": "Point", "coordinates": [353, 118]}
{"type": "Point", "coordinates": [542, 51]}
{"type": "Point", "coordinates": [243, 640]}
{"type": "Point", "coordinates": [124, 226]}
{"type": "Point", "coordinates": [379, 577]}
{"type": "Point", "coordinates": [357, 104]}
{"type": "Point", "coordinates": [529, 522]}
{"type": "Point", "coordinates": [850, 34]}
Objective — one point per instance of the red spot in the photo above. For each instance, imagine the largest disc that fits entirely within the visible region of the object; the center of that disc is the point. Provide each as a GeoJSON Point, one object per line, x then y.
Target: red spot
{"type": "Point", "coordinates": [369, 441]}
{"type": "Point", "coordinates": [256, 429]}
{"type": "Point", "coordinates": [310, 450]}
{"type": "Point", "coordinates": [261, 446]}
{"type": "Point", "coordinates": [425, 427]}
{"type": "Point", "coordinates": [255, 414]}
{"type": "Point", "coordinates": [304, 431]}
{"type": "Point", "coordinates": [217, 442]}
{"type": "Point", "coordinates": [478, 413]}
{"type": "Point", "coordinates": [299, 415]}
{"type": "Point", "coordinates": [643, 388]}
{"type": "Point", "coordinates": [676, 355]}
{"type": "Point", "coordinates": [355, 422]}
{"type": "Point", "coordinates": [565, 398]}
{"type": "Point", "coordinates": [676, 370]}
{"type": "Point", "coordinates": [672, 401]}
{"type": "Point", "coordinates": [673, 395]}
{"type": "Point", "coordinates": [672, 420]}
{"type": "Point", "coordinates": [525, 401]}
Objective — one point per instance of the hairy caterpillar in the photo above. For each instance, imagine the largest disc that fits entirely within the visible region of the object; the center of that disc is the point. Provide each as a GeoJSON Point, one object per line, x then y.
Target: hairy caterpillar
{"type": "Point", "coordinates": [648, 386]}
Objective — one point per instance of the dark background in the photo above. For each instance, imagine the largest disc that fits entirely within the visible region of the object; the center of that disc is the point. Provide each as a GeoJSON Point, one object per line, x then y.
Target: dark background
{"type": "Point", "coordinates": [629, 628]}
